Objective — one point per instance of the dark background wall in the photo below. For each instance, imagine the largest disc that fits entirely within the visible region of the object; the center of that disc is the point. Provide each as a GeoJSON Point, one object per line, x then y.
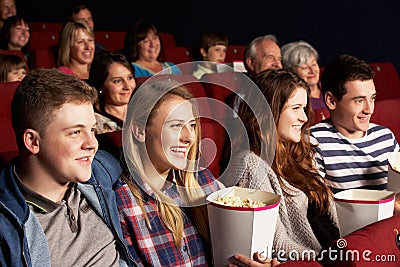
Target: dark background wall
{"type": "Point", "coordinates": [367, 29]}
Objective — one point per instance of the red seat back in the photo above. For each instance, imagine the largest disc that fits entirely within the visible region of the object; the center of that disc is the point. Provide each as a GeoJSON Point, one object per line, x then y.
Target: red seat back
{"type": "Point", "coordinates": [177, 55]}
{"type": "Point", "coordinates": [112, 40]}
{"type": "Point", "coordinates": [7, 140]}
{"type": "Point", "coordinates": [234, 52]}
{"type": "Point", "coordinates": [386, 80]}
{"type": "Point", "coordinates": [45, 26]}
{"type": "Point", "coordinates": [43, 39]}
{"type": "Point", "coordinates": [42, 58]}
{"type": "Point", "coordinates": [371, 246]}
{"type": "Point", "coordinates": [167, 39]}
{"type": "Point", "coordinates": [15, 52]}
{"type": "Point", "coordinates": [320, 114]}
{"type": "Point", "coordinates": [386, 113]}
{"type": "Point", "coordinates": [221, 86]}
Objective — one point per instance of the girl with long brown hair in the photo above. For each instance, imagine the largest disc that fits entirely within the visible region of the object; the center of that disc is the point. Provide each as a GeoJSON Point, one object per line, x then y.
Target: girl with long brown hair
{"type": "Point", "coordinates": [280, 159]}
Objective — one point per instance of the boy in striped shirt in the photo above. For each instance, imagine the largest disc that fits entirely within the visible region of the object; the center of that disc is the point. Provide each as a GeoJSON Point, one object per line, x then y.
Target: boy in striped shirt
{"type": "Point", "coordinates": [351, 151]}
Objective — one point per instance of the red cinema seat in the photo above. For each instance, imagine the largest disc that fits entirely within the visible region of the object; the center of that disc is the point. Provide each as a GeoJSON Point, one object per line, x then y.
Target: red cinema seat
{"type": "Point", "coordinates": [375, 245]}
{"type": "Point", "coordinates": [42, 58]}
{"type": "Point", "coordinates": [386, 80]}
{"type": "Point", "coordinates": [386, 113]}
{"type": "Point", "coordinates": [14, 52]}
{"type": "Point", "coordinates": [45, 26]}
{"type": "Point", "coordinates": [234, 52]}
{"type": "Point", "coordinates": [177, 55]}
{"type": "Point", "coordinates": [194, 86]}
{"type": "Point", "coordinates": [320, 114]}
{"type": "Point", "coordinates": [8, 144]}
{"type": "Point", "coordinates": [220, 86]}
{"type": "Point", "coordinates": [112, 143]}
{"type": "Point", "coordinates": [167, 39]}
{"type": "Point", "coordinates": [112, 40]}
{"type": "Point", "coordinates": [43, 39]}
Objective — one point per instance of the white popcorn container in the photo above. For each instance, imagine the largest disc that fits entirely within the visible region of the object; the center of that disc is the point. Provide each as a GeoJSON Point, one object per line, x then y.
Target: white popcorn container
{"type": "Point", "coordinates": [239, 229]}
{"type": "Point", "coordinates": [393, 174]}
{"type": "Point", "coordinates": [357, 208]}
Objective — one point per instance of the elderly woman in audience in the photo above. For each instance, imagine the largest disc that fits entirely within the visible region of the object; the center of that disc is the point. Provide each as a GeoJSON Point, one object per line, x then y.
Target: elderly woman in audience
{"type": "Point", "coordinates": [302, 58]}
{"type": "Point", "coordinates": [113, 77]}
{"type": "Point", "coordinates": [15, 35]}
{"type": "Point", "coordinates": [12, 68]}
{"type": "Point", "coordinates": [142, 47]}
{"type": "Point", "coordinates": [76, 49]}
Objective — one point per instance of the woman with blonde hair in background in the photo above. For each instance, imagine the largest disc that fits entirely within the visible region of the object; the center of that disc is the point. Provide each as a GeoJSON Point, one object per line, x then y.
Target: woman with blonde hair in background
{"type": "Point", "coordinates": [76, 49]}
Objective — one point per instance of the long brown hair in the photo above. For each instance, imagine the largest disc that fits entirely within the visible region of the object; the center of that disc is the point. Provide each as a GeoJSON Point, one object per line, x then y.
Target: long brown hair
{"type": "Point", "coordinates": [293, 161]}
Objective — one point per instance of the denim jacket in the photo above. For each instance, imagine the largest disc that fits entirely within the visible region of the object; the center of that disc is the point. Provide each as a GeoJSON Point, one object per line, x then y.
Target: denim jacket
{"type": "Point", "coordinates": [22, 239]}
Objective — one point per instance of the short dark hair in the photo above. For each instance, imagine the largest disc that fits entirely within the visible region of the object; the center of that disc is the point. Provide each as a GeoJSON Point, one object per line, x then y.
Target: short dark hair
{"type": "Point", "coordinates": [8, 63]}
{"type": "Point", "coordinates": [42, 92]}
{"type": "Point", "coordinates": [209, 39]}
{"type": "Point", "coordinates": [343, 69]}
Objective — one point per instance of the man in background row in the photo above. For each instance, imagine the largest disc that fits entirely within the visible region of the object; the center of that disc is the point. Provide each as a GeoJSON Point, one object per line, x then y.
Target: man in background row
{"type": "Point", "coordinates": [7, 9]}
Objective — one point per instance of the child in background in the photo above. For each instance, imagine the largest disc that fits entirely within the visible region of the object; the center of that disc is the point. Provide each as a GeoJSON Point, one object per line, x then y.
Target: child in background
{"type": "Point", "coordinates": [12, 68]}
{"type": "Point", "coordinates": [213, 50]}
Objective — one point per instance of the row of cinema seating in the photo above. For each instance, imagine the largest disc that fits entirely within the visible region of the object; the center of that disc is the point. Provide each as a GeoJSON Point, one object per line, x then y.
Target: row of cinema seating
{"type": "Point", "coordinates": [374, 245]}
{"type": "Point", "coordinates": [216, 113]}
{"type": "Point", "coordinates": [45, 37]}
{"type": "Point", "coordinates": [212, 93]}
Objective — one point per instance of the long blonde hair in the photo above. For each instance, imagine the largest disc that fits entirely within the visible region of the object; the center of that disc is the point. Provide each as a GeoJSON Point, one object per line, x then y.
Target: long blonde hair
{"type": "Point", "coordinates": [144, 104]}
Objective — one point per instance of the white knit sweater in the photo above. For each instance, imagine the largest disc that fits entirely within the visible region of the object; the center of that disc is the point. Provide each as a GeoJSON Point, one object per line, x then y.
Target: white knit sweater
{"type": "Point", "coordinates": [293, 234]}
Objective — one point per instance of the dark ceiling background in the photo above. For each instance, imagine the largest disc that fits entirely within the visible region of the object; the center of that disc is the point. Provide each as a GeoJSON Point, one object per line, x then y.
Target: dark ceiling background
{"type": "Point", "coordinates": [367, 29]}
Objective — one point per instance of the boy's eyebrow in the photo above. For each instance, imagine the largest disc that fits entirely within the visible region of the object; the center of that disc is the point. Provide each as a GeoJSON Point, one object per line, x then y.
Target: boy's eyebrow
{"type": "Point", "coordinates": [362, 96]}
{"type": "Point", "coordinates": [359, 96]}
{"type": "Point", "coordinates": [79, 126]}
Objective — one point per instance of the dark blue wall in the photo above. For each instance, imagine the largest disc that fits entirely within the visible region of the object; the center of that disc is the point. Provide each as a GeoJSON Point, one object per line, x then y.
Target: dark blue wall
{"type": "Point", "coordinates": [367, 29]}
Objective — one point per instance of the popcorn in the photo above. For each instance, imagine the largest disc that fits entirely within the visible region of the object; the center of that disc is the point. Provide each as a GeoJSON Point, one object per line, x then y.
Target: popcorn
{"type": "Point", "coordinates": [396, 167]}
{"type": "Point", "coordinates": [236, 201]}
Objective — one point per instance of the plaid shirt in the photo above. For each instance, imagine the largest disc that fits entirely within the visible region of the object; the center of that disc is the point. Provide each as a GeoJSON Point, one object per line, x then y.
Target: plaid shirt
{"type": "Point", "coordinates": [155, 246]}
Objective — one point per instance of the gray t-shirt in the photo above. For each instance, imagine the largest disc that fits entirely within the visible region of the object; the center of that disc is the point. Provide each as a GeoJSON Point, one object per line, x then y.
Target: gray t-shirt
{"type": "Point", "coordinates": [76, 235]}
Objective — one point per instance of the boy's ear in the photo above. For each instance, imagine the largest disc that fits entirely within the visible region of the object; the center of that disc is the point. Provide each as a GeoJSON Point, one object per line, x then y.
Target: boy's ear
{"type": "Point", "coordinates": [31, 140]}
{"type": "Point", "coordinates": [330, 100]}
{"type": "Point", "coordinates": [139, 132]}
{"type": "Point", "coordinates": [203, 52]}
